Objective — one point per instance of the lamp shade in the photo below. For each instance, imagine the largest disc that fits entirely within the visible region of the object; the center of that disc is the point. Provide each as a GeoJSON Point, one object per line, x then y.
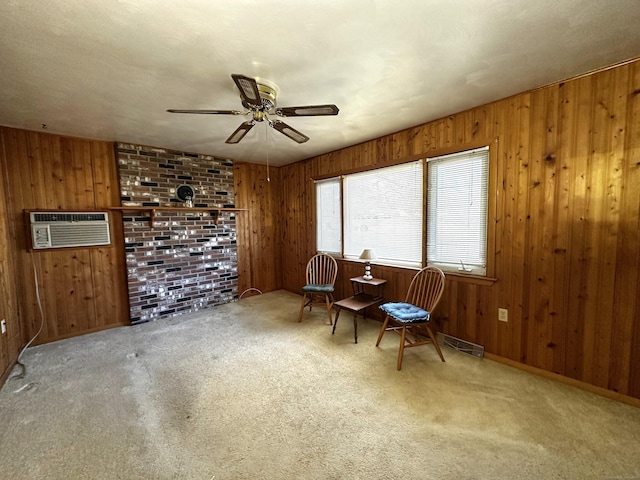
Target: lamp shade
{"type": "Point", "coordinates": [368, 254]}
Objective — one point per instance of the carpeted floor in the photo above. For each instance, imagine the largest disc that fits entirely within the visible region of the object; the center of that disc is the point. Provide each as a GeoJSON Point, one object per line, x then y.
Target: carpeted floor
{"type": "Point", "coordinates": [243, 391]}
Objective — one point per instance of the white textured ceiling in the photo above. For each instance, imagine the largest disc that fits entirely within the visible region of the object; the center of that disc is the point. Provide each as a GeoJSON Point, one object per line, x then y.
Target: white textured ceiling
{"type": "Point", "coordinates": [109, 69]}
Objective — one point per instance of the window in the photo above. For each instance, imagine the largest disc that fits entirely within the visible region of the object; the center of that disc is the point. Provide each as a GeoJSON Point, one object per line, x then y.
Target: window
{"type": "Point", "coordinates": [457, 201]}
{"type": "Point", "coordinates": [385, 210]}
{"type": "Point", "coordinates": [329, 216]}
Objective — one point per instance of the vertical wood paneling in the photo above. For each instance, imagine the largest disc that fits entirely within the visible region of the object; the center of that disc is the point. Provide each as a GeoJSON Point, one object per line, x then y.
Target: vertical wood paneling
{"type": "Point", "coordinates": [518, 280]}
{"type": "Point", "coordinates": [567, 252]}
{"type": "Point", "coordinates": [81, 289]}
{"type": "Point", "coordinates": [539, 219]}
{"type": "Point", "coordinates": [548, 212]}
{"type": "Point", "coordinates": [506, 226]}
{"type": "Point", "coordinates": [616, 206]}
{"type": "Point", "coordinates": [260, 228]}
{"type": "Point", "coordinates": [10, 342]}
{"type": "Point", "coordinates": [46, 266]}
{"type": "Point", "coordinates": [626, 375]}
{"type": "Point", "coordinates": [242, 194]}
{"type": "Point", "coordinates": [613, 117]}
{"type": "Point", "coordinates": [561, 234]}
{"type": "Point", "coordinates": [298, 239]}
{"type": "Point", "coordinates": [577, 149]}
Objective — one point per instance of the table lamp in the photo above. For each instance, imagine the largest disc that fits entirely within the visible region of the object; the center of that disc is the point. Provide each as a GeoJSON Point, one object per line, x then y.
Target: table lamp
{"type": "Point", "coordinates": [367, 255]}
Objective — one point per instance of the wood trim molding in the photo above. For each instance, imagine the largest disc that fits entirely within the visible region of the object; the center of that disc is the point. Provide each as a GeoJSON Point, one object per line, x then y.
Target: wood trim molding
{"type": "Point", "coordinates": [603, 392]}
{"type": "Point", "coordinates": [456, 277]}
{"type": "Point", "coordinates": [7, 373]}
{"type": "Point", "coordinates": [213, 211]}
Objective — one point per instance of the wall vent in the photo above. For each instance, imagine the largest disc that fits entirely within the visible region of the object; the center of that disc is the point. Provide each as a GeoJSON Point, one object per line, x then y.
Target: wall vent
{"type": "Point", "coordinates": [69, 229]}
{"type": "Point", "coordinates": [460, 345]}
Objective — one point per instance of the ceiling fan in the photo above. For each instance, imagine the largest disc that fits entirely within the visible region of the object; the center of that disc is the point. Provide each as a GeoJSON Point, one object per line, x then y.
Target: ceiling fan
{"type": "Point", "coordinates": [260, 100]}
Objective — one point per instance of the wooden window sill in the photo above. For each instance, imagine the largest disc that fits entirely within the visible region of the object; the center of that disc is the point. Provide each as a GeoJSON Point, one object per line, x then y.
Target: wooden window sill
{"type": "Point", "coordinates": [456, 277]}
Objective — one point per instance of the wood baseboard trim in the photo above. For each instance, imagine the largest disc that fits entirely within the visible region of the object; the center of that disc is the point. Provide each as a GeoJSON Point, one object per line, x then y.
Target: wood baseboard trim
{"type": "Point", "coordinates": [603, 392]}
{"type": "Point", "coordinates": [7, 372]}
{"type": "Point", "coordinates": [78, 334]}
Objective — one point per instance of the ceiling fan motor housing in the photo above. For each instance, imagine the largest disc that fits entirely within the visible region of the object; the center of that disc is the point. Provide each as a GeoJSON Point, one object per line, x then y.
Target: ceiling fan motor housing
{"type": "Point", "coordinates": [267, 96]}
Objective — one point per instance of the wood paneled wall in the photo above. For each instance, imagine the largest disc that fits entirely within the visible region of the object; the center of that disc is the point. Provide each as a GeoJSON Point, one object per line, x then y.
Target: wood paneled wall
{"type": "Point", "coordinates": [81, 289]}
{"type": "Point", "coordinates": [10, 342]}
{"type": "Point", "coordinates": [260, 229]}
{"type": "Point", "coordinates": [567, 223]}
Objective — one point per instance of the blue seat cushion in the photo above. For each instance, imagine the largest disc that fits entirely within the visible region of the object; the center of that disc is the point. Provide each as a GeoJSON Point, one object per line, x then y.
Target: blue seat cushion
{"type": "Point", "coordinates": [318, 288]}
{"type": "Point", "coordinates": [405, 312]}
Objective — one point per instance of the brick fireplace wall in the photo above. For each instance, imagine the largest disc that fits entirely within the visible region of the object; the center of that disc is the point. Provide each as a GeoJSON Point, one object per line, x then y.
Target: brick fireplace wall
{"type": "Point", "coordinates": [186, 261]}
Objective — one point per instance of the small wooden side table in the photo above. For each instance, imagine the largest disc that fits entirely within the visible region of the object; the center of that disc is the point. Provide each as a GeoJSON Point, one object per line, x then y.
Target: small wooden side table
{"type": "Point", "coordinates": [362, 299]}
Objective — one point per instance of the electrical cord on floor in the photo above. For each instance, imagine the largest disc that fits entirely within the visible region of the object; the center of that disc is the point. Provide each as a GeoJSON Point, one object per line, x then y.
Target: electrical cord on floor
{"type": "Point", "coordinates": [19, 361]}
{"type": "Point", "coordinates": [250, 290]}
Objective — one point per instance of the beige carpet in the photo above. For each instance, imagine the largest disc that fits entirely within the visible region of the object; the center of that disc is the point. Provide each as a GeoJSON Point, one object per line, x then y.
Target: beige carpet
{"type": "Point", "coordinates": [243, 391]}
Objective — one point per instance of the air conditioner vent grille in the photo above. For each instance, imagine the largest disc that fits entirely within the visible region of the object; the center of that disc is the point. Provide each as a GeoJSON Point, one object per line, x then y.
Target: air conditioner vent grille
{"type": "Point", "coordinates": [69, 217]}
{"type": "Point", "coordinates": [69, 229]}
{"type": "Point", "coordinates": [87, 234]}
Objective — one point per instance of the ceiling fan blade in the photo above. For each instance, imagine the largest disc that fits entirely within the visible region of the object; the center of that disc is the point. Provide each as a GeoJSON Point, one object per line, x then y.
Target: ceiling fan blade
{"type": "Point", "coordinates": [248, 90]}
{"type": "Point", "coordinates": [207, 112]}
{"type": "Point", "coordinates": [307, 111]}
{"type": "Point", "coordinates": [240, 132]}
{"type": "Point", "coordinates": [285, 129]}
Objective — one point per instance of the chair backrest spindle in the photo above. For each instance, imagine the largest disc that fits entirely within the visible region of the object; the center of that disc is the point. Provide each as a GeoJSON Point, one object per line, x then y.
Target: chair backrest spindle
{"type": "Point", "coordinates": [322, 269]}
{"type": "Point", "coordinates": [426, 288]}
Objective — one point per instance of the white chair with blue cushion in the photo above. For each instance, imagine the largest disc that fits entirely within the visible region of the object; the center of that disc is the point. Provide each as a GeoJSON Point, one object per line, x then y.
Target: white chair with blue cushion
{"type": "Point", "coordinates": [322, 270]}
{"type": "Point", "coordinates": [410, 319]}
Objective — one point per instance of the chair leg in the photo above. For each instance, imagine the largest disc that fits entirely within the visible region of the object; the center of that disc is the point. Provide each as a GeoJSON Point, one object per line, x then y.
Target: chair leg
{"type": "Point", "coordinates": [383, 329]}
{"type": "Point", "coordinates": [401, 350]}
{"type": "Point", "coordinates": [435, 342]}
{"type": "Point", "coordinates": [304, 300]}
{"type": "Point", "coordinates": [335, 322]}
{"type": "Point", "coordinates": [329, 305]}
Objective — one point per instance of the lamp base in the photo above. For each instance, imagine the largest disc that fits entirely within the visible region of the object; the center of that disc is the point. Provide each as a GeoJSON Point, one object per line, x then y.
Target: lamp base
{"type": "Point", "coordinates": [367, 272]}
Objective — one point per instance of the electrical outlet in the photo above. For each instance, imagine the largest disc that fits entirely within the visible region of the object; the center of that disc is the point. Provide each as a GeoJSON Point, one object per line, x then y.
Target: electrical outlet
{"type": "Point", "coordinates": [503, 315]}
{"type": "Point", "coordinates": [3, 325]}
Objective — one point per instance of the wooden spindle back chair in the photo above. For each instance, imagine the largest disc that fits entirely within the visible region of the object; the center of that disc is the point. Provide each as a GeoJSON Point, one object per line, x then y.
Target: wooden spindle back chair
{"type": "Point", "coordinates": [322, 270]}
{"type": "Point", "coordinates": [410, 319]}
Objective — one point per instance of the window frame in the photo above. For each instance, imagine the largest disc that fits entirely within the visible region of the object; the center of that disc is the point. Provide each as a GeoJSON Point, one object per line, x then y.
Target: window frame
{"type": "Point", "coordinates": [493, 194]}
{"type": "Point", "coordinates": [493, 198]}
{"type": "Point", "coordinates": [338, 179]}
{"type": "Point", "coordinates": [437, 162]}
{"type": "Point", "coordinates": [416, 263]}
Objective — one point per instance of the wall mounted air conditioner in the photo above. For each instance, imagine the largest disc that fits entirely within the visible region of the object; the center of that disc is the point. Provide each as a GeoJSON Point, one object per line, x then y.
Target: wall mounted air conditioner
{"type": "Point", "coordinates": [69, 229]}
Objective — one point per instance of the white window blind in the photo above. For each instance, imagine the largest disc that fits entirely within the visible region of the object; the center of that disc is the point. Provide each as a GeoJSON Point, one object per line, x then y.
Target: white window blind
{"type": "Point", "coordinates": [383, 211]}
{"type": "Point", "coordinates": [328, 216]}
{"type": "Point", "coordinates": [457, 204]}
